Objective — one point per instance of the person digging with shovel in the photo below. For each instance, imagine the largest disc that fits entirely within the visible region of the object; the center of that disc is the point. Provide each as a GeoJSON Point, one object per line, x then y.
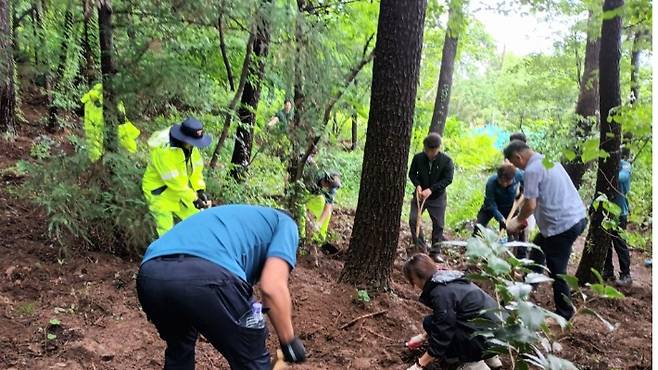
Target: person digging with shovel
{"type": "Point", "coordinates": [449, 330]}
{"type": "Point", "coordinates": [431, 172]}
{"type": "Point", "coordinates": [199, 278]}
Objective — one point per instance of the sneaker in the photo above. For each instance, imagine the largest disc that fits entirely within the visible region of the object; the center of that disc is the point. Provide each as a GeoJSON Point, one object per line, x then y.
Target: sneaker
{"type": "Point", "coordinates": [494, 362]}
{"type": "Point", "coordinates": [480, 365]}
{"type": "Point", "coordinates": [608, 277]}
{"type": "Point", "coordinates": [624, 280]}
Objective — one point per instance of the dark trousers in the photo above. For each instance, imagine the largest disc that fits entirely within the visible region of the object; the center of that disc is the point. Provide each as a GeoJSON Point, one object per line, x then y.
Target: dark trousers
{"type": "Point", "coordinates": [437, 210]}
{"type": "Point", "coordinates": [623, 254]}
{"type": "Point", "coordinates": [464, 346]}
{"type": "Point", "coordinates": [483, 218]}
{"type": "Point", "coordinates": [555, 252]}
{"type": "Point", "coordinates": [184, 296]}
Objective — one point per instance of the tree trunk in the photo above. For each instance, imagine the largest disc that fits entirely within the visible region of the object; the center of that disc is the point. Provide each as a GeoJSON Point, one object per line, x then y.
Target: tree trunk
{"type": "Point", "coordinates": [89, 68]}
{"type": "Point", "coordinates": [450, 43]}
{"type": "Point", "coordinates": [599, 240]}
{"type": "Point", "coordinates": [105, 30]}
{"type": "Point", "coordinates": [355, 129]}
{"type": "Point", "coordinates": [588, 101]}
{"type": "Point", "coordinates": [7, 90]}
{"type": "Point", "coordinates": [230, 110]}
{"type": "Point", "coordinates": [374, 239]}
{"type": "Point", "coordinates": [59, 74]}
{"type": "Point", "coordinates": [635, 66]}
{"type": "Point", "coordinates": [244, 135]}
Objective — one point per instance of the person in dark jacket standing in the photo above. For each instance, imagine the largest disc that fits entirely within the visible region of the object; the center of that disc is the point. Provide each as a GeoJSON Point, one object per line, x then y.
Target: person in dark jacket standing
{"type": "Point", "coordinates": [455, 302]}
{"type": "Point", "coordinates": [199, 277]}
{"type": "Point", "coordinates": [431, 172]}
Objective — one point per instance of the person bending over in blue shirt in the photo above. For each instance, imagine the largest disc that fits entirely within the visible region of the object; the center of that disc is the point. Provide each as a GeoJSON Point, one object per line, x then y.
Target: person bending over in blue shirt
{"type": "Point", "coordinates": [499, 195]}
{"type": "Point", "coordinates": [199, 277]}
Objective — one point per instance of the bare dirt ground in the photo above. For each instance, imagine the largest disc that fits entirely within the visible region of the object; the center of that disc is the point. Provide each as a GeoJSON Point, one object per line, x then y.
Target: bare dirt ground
{"type": "Point", "coordinates": [100, 324]}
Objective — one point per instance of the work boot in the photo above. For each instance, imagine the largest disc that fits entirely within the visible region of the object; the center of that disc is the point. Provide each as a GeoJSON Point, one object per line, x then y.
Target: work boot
{"type": "Point", "coordinates": [435, 252]}
{"type": "Point", "coordinates": [480, 365]}
{"type": "Point", "coordinates": [494, 362]}
{"type": "Point", "coordinates": [608, 276]}
{"type": "Point", "coordinates": [624, 280]}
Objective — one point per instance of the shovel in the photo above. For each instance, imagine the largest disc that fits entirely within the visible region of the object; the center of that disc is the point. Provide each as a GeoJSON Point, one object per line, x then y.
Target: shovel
{"type": "Point", "coordinates": [277, 362]}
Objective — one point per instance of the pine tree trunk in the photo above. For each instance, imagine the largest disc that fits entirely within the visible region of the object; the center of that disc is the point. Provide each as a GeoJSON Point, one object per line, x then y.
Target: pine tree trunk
{"type": "Point", "coordinates": [7, 89]}
{"type": "Point", "coordinates": [89, 68]}
{"type": "Point", "coordinates": [599, 240]}
{"type": "Point", "coordinates": [374, 239]}
{"type": "Point", "coordinates": [59, 74]}
{"type": "Point", "coordinates": [105, 30]}
{"type": "Point", "coordinates": [355, 129]}
{"type": "Point", "coordinates": [588, 101]}
{"type": "Point", "coordinates": [450, 43]}
{"type": "Point", "coordinates": [244, 136]}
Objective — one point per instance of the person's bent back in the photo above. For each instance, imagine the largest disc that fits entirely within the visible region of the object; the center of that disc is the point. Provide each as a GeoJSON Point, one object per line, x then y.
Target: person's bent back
{"type": "Point", "coordinates": [198, 278]}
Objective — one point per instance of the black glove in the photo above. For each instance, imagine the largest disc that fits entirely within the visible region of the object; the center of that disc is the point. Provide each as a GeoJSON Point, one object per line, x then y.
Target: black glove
{"type": "Point", "coordinates": [201, 199]}
{"type": "Point", "coordinates": [294, 351]}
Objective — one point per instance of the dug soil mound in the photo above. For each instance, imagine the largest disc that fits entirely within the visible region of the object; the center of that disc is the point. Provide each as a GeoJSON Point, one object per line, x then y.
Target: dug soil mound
{"type": "Point", "coordinates": [81, 312]}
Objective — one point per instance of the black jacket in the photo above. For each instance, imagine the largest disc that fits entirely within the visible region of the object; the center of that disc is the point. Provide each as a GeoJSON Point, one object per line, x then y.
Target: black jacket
{"type": "Point", "coordinates": [436, 174]}
{"type": "Point", "coordinates": [455, 302]}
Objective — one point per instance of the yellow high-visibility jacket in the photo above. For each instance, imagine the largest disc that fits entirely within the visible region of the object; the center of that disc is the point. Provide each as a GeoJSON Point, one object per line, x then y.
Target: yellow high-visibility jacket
{"type": "Point", "coordinates": [93, 121]}
{"type": "Point", "coordinates": [170, 181]}
{"type": "Point", "coordinates": [127, 132]}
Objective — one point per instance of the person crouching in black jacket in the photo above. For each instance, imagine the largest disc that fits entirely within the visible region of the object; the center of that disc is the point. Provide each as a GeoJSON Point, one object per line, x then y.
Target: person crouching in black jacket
{"type": "Point", "coordinates": [455, 302]}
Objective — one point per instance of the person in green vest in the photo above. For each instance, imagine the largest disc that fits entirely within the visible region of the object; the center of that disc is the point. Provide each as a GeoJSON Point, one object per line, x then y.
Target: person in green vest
{"type": "Point", "coordinates": [173, 183]}
{"type": "Point", "coordinates": [320, 204]}
{"type": "Point", "coordinates": [94, 124]}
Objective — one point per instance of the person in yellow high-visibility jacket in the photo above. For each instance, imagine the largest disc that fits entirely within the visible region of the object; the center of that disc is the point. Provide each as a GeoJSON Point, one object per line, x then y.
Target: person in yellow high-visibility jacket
{"type": "Point", "coordinates": [173, 183]}
{"type": "Point", "coordinates": [94, 124]}
{"type": "Point", "coordinates": [320, 204]}
{"type": "Point", "coordinates": [93, 121]}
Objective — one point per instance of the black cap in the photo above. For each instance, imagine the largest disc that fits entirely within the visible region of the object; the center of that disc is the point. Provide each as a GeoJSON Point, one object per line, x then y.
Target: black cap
{"type": "Point", "coordinates": [190, 131]}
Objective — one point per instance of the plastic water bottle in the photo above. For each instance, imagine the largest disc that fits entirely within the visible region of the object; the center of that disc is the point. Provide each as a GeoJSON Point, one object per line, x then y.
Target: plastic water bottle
{"type": "Point", "coordinates": [255, 318]}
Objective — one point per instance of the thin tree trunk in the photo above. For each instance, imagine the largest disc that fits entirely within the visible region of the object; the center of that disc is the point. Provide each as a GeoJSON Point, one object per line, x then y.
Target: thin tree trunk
{"type": "Point", "coordinates": [450, 43]}
{"type": "Point", "coordinates": [108, 70]}
{"type": "Point", "coordinates": [635, 66]}
{"type": "Point", "coordinates": [374, 239]}
{"type": "Point", "coordinates": [222, 49]}
{"type": "Point", "coordinates": [231, 109]}
{"type": "Point", "coordinates": [588, 100]}
{"type": "Point", "coordinates": [59, 74]}
{"type": "Point", "coordinates": [244, 135]}
{"type": "Point", "coordinates": [355, 129]}
{"type": "Point", "coordinates": [88, 69]}
{"type": "Point", "coordinates": [7, 90]}
{"type": "Point", "coordinates": [599, 240]}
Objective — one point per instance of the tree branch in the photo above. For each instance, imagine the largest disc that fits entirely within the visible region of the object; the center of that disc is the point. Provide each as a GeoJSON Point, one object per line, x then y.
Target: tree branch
{"type": "Point", "coordinates": [222, 48]}
{"type": "Point", "coordinates": [231, 109]}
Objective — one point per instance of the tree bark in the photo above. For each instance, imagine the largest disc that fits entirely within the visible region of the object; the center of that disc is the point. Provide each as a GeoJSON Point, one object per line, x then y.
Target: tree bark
{"type": "Point", "coordinates": [599, 240]}
{"type": "Point", "coordinates": [244, 135]}
{"type": "Point", "coordinates": [222, 49]}
{"type": "Point", "coordinates": [59, 73]}
{"type": "Point", "coordinates": [374, 239]}
{"type": "Point", "coordinates": [230, 110]}
{"type": "Point", "coordinates": [450, 43]}
{"type": "Point", "coordinates": [7, 89]}
{"type": "Point", "coordinates": [89, 68]}
{"type": "Point", "coordinates": [355, 130]}
{"type": "Point", "coordinates": [588, 101]}
{"type": "Point", "coordinates": [108, 70]}
{"type": "Point", "coordinates": [635, 66]}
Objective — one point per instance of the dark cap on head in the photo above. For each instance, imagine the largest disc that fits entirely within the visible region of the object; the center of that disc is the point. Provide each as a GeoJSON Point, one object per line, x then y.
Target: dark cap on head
{"type": "Point", "coordinates": [518, 136]}
{"type": "Point", "coordinates": [515, 146]}
{"type": "Point", "coordinates": [432, 141]}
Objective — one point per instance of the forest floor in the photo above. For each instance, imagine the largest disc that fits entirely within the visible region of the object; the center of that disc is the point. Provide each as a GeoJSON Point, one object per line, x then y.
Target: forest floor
{"type": "Point", "coordinates": [101, 325]}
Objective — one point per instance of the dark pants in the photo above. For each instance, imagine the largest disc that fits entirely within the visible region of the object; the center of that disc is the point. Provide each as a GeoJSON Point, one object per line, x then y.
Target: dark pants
{"type": "Point", "coordinates": [555, 252]}
{"type": "Point", "coordinates": [623, 254]}
{"type": "Point", "coordinates": [184, 296]}
{"type": "Point", "coordinates": [437, 210]}
{"type": "Point", "coordinates": [483, 218]}
{"type": "Point", "coordinates": [463, 346]}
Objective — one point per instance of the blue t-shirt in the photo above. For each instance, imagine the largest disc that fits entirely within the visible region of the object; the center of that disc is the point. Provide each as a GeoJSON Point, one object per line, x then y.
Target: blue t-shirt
{"type": "Point", "coordinates": [624, 186]}
{"type": "Point", "coordinates": [237, 237]}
